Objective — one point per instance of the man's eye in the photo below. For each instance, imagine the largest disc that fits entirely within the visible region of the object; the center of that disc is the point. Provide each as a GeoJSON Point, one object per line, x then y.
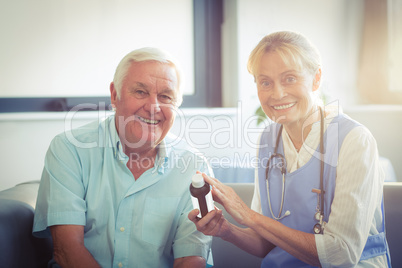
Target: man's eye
{"type": "Point", "coordinates": [140, 93]}
{"type": "Point", "coordinates": [165, 99]}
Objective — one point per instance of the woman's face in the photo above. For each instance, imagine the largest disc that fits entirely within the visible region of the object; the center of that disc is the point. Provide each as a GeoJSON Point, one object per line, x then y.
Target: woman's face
{"type": "Point", "coordinates": [285, 91]}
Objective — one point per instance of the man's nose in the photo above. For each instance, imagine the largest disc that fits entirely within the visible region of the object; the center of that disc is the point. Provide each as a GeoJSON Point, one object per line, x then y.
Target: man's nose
{"type": "Point", "coordinates": [152, 104]}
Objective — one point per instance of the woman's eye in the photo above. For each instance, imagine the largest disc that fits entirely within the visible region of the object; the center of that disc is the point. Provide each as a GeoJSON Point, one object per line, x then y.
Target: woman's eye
{"type": "Point", "coordinates": [265, 83]}
{"type": "Point", "coordinates": [290, 79]}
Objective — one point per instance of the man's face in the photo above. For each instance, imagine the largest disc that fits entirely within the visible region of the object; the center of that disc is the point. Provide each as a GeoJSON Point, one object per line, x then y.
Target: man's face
{"type": "Point", "coordinates": [145, 109]}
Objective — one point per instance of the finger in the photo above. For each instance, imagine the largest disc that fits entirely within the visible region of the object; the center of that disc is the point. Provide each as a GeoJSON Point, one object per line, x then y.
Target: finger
{"type": "Point", "coordinates": [192, 215]}
{"type": "Point", "coordinates": [207, 218]}
{"type": "Point", "coordinates": [207, 225]}
{"type": "Point", "coordinates": [217, 193]}
{"type": "Point", "coordinates": [215, 197]}
{"type": "Point", "coordinates": [211, 181]}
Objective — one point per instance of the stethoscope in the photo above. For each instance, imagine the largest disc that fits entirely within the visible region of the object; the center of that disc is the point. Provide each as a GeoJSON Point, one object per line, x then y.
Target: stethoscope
{"type": "Point", "coordinates": [319, 215]}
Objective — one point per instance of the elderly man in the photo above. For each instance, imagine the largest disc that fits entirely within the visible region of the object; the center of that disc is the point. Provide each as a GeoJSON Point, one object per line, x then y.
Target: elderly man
{"type": "Point", "coordinates": [124, 201]}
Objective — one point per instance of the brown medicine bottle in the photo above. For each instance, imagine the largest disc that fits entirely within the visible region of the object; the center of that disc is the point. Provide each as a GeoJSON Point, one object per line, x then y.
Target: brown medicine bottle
{"type": "Point", "coordinates": [201, 195]}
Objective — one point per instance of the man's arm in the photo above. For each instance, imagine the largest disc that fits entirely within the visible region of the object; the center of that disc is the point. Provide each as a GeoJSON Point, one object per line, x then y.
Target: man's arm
{"type": "Point", "coordinates": [68, 247]}
{"type": "Point", "coordinates": [191, 261]}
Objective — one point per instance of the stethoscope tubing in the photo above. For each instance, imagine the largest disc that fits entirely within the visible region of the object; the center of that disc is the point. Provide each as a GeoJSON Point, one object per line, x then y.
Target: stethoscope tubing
{"type": "Point", "coordinates": [283, 171]}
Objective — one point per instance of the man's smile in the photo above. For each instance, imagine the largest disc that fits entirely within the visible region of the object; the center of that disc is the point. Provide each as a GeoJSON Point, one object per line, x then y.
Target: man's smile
{"type": "Point", "coordinates": [148, 121]}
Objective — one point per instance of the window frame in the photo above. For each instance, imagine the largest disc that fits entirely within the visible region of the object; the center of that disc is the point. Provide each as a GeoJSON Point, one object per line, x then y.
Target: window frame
{"type": "Point", "coordinates": [208, 17]}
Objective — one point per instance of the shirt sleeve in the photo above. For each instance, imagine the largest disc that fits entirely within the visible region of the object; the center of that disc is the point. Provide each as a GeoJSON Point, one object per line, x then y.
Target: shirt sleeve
{"type": "Point", "coordinates": [256, 201]}
{"type": "Point", "coordinates": [61, 191]}
{"type": "Point", "coordinates": [357, 199]}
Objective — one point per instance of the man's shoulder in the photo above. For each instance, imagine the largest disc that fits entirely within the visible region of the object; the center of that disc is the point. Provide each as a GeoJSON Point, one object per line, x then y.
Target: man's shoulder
{"type": "Point", "coordinates": [86, 136]}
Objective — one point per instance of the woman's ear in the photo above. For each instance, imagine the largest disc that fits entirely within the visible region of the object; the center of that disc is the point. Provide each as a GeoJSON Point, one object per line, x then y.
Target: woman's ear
{"type": "Point", "coordinates": [317, 80]}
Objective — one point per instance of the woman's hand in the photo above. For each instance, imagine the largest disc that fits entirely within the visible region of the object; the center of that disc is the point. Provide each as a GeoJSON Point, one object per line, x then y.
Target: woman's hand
{"type": "Point", "coordinates": [228, 198]}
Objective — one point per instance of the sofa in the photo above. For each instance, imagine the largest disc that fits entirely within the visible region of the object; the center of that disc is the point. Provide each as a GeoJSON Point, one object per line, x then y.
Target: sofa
{"type": "Point", "coordinates": [18, 248]}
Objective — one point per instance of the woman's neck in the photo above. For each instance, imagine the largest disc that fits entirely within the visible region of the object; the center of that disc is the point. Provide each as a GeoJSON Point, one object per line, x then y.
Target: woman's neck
{"type": "Point", "coordinates": [298, 131]}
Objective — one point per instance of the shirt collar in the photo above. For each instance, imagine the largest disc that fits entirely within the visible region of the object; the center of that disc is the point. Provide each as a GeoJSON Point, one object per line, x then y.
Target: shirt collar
{"type": "Point", "coordinates": [114, 139]}
{"type": "Point", "coordinates": [161, 157]}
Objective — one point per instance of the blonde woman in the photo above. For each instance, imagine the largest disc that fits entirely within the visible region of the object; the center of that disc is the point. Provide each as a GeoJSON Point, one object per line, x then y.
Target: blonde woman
{"type": "Point", "coordinates": [318, 189]}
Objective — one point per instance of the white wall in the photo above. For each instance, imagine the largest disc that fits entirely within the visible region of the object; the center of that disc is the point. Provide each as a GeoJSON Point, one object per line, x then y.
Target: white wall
{"type": "Point", "coordinates": [334, 26]}
{"type": "Point", "coordinates": [72, 47]}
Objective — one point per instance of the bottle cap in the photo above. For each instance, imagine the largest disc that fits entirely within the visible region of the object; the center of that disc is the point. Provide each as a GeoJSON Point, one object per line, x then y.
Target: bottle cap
{"type": "Point", "coordinates": [197, 181]}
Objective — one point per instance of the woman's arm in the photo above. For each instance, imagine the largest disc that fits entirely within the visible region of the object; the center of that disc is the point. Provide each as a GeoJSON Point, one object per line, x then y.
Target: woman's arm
{"type": "Point", "coordinates": [297, 243]}
{"type": "Point", "coordinates": [214, 224]}
{"type": "Point", "coordinates": [267, 231]}
{"type": "Point", "coordinates": [356, 201]}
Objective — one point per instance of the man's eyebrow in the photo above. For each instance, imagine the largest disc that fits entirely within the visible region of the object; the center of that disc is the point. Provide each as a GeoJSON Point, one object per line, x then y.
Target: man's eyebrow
{"type": "Point", "coordinates": [141, 85]}
{"type": "Point", "coordinates": [168, 90]}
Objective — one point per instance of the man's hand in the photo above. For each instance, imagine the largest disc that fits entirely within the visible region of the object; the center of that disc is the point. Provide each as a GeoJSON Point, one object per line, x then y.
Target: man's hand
{"type": "Point", "coordinates": [213, 224]}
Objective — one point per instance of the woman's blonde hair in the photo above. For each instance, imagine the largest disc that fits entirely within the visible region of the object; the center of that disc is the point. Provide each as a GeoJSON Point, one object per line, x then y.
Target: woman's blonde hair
{"type": "Point", "coordinates": [293, 48]}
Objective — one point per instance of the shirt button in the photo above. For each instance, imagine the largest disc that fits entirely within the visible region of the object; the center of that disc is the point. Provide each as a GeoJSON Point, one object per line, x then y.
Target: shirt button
{"type": "Point", "coordinates": [122, 229]}
{"type": "Point", "coordinates": [120, 264]}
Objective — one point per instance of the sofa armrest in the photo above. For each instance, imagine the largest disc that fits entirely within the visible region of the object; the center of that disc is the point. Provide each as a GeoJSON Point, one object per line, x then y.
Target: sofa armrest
{"type": "Point", "coordinates": [393, 220]}
{"type": "Point", "coordinates": [18, 247]}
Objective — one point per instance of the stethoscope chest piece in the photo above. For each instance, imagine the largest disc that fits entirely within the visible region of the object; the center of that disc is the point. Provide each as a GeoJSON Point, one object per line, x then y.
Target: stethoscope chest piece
{"type": "Point", "coordinates": [317, 228]}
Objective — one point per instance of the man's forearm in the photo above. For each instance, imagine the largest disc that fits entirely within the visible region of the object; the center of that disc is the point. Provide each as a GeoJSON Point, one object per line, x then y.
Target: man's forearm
{"type": "Point", "coordinates": [76, 257]}
{"type": "Point", "coordinates": [69, 248]}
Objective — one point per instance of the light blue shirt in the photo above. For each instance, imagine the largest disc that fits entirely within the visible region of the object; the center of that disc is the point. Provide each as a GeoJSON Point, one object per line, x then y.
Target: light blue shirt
{"type": "Point", "coordinates": [128, 223]}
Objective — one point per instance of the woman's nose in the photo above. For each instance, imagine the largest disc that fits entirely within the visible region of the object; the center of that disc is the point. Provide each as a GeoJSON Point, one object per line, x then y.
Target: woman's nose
{"type": "Point", "coordinates": [278, 92]}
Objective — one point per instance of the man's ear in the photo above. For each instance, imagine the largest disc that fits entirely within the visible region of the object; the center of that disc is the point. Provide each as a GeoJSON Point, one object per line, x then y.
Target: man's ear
{"type": "Point", "coordinates": [113, 94]}
{"type": "Point", "coordinates": [317, 80]}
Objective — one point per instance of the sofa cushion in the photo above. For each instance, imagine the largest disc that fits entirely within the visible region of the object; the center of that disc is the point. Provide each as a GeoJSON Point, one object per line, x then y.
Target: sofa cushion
{"type": "Point", "coordinates": [226, 254]}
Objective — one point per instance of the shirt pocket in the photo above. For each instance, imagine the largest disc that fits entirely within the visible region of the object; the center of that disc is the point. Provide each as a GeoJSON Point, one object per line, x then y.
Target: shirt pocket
{"type": "Point", "coordinates": [159, 214]}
